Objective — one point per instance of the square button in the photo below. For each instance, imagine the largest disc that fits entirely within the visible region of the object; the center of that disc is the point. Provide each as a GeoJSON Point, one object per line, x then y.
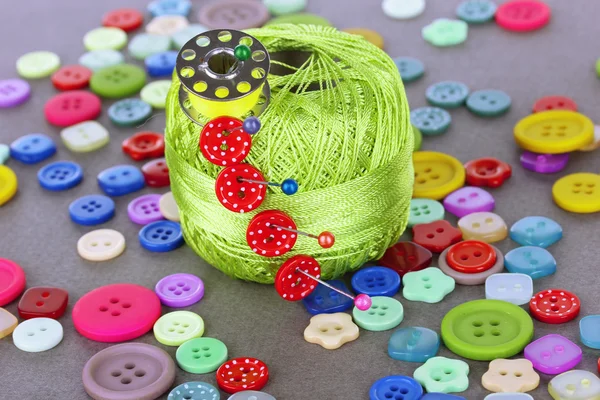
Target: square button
{"type": "Point", "coordinates": [48, 302]}
{"type": "Point", "coordinates": [514, 288]}
{"type": "Point", "coordinates": [85, 136]}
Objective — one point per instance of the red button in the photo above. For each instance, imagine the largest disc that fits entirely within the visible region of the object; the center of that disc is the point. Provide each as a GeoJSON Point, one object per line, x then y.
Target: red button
{"type": "Point", "coordinates": [523, 15]}
{"type": "Point", "coordinates": [405, 257]}
{"type": "Point", "coordinates": [71, 77]}
{"type": "Point", "coordinates": [70, 108]}
{"type": "Point", "coordinates": [48, 302]}
{"type": "Point", "coordinates": [293, 285]}
{"type": "Point", "coordinates": [222, 147]}
{"type": "Point", "coordinates": [156, 173]}
{"type": "Point", "coordinates": [144, 145]}
{"type": "Point", "coordinates": [554, 103]}
{"type": "Point", "coordinates": [12, 281]}
{"type": "Point", "coordinates": [266, 240]}
{"type": "Point", "coordinates": [554, 306]}
{"type": "Point", "coordinates": [436, 236]}
{"type": "Point", "coordinates": [127, 19]}
{"type": "Point", "coordinates": [242, 373]}
{"type": "Point", "coordinates": [488, 171]}
{"type": "Point", "coordinates": [471, 257]}
{"type": "Point", "coordinates": [240, 196]}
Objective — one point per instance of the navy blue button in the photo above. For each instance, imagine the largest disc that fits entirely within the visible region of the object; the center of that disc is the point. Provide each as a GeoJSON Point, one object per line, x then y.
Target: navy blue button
{"type": "Point", "coordinates": [170, 7]}
{"type": "Point", "coordinates": [93, 209]}
{"type": "Point", "coordinates": [376, 281]}
{"type": "Point", "coordinates": [441, 396]}
{"type": "Point", "coordinates": [60, 175]}
{"type": "Point", "coordinates": [33, 148]}
{"type": "Point", "coordinates": [324, 300]}
{"type": "Point", "coordinates": [161, 236]}
{"type": "Point", "coordinates": [121, 180]}
{"type": "Point", "coordinates": [396, 387]}
{"type": "Point", "coordinates": [161, 64]}
{"type": "Point", "coordinates": [129, 112]}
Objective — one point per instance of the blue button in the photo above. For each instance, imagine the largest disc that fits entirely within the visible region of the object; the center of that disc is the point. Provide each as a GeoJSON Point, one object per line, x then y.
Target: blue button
{"type": "Point", "coordinates": [410, 68]}
{"type": "Point", "coordinates": [533, 261]}
{"type": "Point", "coordinates": [413, 344]}
{"type": "Point", "coordinates": [170, 7]}
{"type": "Point", "coordinates": [93, 209]}
{"type": "Point", "coordinates": [589, 331]}
{"type": "Point", "coordinates": [441, 396]}
{"type": "Point", "coordinates": [536, 231]}
{"type": "Point", "coordinates": [476, 11]}
{"type": "Point", "coordinates": [396, 387]}
{"type": "Point", "coordinates": [488, 103]}
{"type": "Point", "coordinates": [121, 180]}
{"type": "Point", "coordinates": [431, 120]}
{"type": "Point", "coordinates": [161, 236]}
{"type": "Point", "coordinates": [161, 64]}
{"type": "Point", "coordinates": [129, 112]}
{"type": "Point", "coordinates": [33, 148]}
{"type": "Point", "coordinates": [194, 391]}
{"type": "Point", "coordinates": [376, 281]}
{"type": "Point", "coordinates": [60, 175]}
{"type": "Point", "coordinates": [324, 300]}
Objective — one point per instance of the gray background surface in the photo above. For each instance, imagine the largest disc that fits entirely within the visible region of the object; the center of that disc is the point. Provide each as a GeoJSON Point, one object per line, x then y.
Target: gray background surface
{"type": "Point", "coordinates": [251, 319]}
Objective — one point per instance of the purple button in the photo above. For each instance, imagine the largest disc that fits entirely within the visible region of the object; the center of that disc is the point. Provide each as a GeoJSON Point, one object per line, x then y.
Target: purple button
{"type": "Point", "coordinates": [144, 209]}
{"type": "Point", "coordinates": [544, 163]}
{"type": "Point", "coordinates": [553, 354]}
{"type": "Point", "coordinates": [468, 200]}
{"type": "Point", "coordinates": [179, 290]}
{"type": "Point", "coordinates": [13, 92]}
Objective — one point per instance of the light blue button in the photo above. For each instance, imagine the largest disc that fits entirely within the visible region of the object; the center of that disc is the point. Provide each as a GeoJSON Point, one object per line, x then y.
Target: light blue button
{"type": "Point", "coordinates": [60, 175]}
{"type": "Point", "coordinates": [410, 68]}
{"type": "Point", "coordinates": [431, 120]}
{"type": "Point", "coordinates": [161, 64]}
{"type": "Point", "coordinates": [447, 94]}
{"type": "Point", "coordinates": [536, 231]}
{"type": "Point", "coordinates": [183, 36]}
{"type": "Point", "coordinates": [194, 391]}
{"type": "Point", "coordinates": [413, 344]}
{"type": "Point", "coordinates": [146, 44]}
{"type": "Point", "coordinates": [476, 11]}
{"type": "Point", "coordinates": [32, 148]}
{"type": "Point", "coordinates": [513, 288]}
{"type": "Point", "coordinates": [442, 396]}
{"type": "Point", "coordinates": [589, 331]}
{"type": "Point", "coordinates": [4, 153]}
{"type": "Point", "coordinates": [324, 300]}
{"type": "Point", "coordinates": [504, 396]}
{"type": "Point", "coordinates": [169, 7]}
{"type": "Point", "coordinates": [99, 59]}
{"type": "Point", "coordinates": [488, 103]}
{"type": "Point", "coordinates": [376, 281]}
{"type": "Point", "coordinates": [121, 180]}
{"type": "Point", "coordinates": [129, 112]}
{"type": "Point", "coordinates": [424, 211]}
{"type": "Point", "coordinates": [533, 261]}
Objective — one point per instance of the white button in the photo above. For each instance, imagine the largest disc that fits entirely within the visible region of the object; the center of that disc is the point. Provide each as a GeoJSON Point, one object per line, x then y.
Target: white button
{"type": "Point", "coordinates": [101, 245]}
{"type": "Point", "coordinates": [575, 384]}
{"type": "Point", "coordinates": [168, 207]}
{"type": "Point", "coordinates": [514, 288]}
{"type": "Point", "coordinates": [403, 9]}
{"type": "Point", "coordinates": [166, 25]}
{"type": "Point", "coordinates": [85, 136]}
{"type": "Point", "coordinates": [38, 334]}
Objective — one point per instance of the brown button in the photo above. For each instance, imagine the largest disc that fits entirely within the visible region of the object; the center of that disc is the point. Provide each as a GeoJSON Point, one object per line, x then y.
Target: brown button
{"type": "Point", "coordinates": [233, 14]}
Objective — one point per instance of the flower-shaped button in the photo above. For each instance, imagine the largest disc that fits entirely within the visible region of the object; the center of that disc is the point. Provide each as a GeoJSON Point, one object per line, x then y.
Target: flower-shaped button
{"type": "Point", "coordinates": [156, 173]}
{"type": "Point", "coordinates": [85, 137]}
{"type": "Point", "coordinates": [404, 257]}
{"type": "Point", "coordinates": [447, 94]}
{"type": "Point", "coordinates": [180, 290]}
{"type": "Point", "coordinates": [121, 180]}
{"type": "Point", "coordinates": [431, 120]}
{"type": "Point", "coordinates": [101, 245]}
{"type": "Point", "coordinates": [514, 288]}
{"type": "Point", "coordinates": [144, 145]}
{"type": "Point", "coordinates": [265, 235]}
{"type": "Point", "coordinates": [324, 300]}
{"type": "Point", "coordinates": [195, 391]}
{"type": "Point", "coordinates": [293, 285]}
{"type": "Point", "coordinates": [242, 373]}
{"type": "Point", "coordinates": [574, 385]}
{"type": "Point", "coordinates": [144, 209]}
{"type": "Point", "coordinates": [48, 302]}
{"type": "Point", "coordinates": [32, 148]}
{"type": "Point", "coordinates": [554, 306]}
{"type": "Point", "coordinates": [553, 354]}
{"type": "Point", "coordinates": [436, 236]}
{"type": "Point", "coordinates": [533, 261]}
{"type": "Point", "coordinates": [430, 285]}
{"type": "Point", "coordinates": [385, 313]}
{"type": "Point", "coordinates": [510, 376]}
{"type": "Point", "coordinates": [589, 331]}
{"type": "Point", "coordinates": [37, 334]}
{"type": "Point", "coordinates": [376, 281]}
{"type": "Point", "coordinates": [578, 193]}
{"type": "Point", "coordinates": [60, 175]}
{"type": "Point", "coordinates": [396, 387]}
{"type": "Point", "coordinates": [177, 327]}
{"type": "Point", "coordinates": [441, 374]}
{"type": "Point", "coordinates": [72, 107]}
{"type": "Point", "coordinates": [161, 236]}
{"type": "Point", "coordinates": [92, 209]}
{"type": "Point", "coordinates": [436, 174]}
{"type": "Point", "coordinates": [331, 331]}
{"type": "Point", "coordinates": [536, 231]}
{"type": "Point", "coordinates": [483, 226]}
{"type": "Point", "coordinates": [424, 211]}
{"type": "Point", "coordinates": [445, 32]}
{"type": "Point", "coordinates": [468, 200]}
{"type": "Point", "coordinates": [487, 171]}
{"type": "Point", "coordinates": [223, 141]}
{"type": "Point", "coordinates": [239, 195]}
{"type": "Point", "coordinates": [201, 355]}
{"type": "Point", "coordinates": [129, 112]}
{"type": "Point", "coordinates": [414, 344]}
{"type": "Point", "coordinates": [8, 323]}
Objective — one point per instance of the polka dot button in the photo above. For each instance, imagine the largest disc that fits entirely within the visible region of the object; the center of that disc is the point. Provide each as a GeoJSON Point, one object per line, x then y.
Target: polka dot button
{"type": "Point", "coordinates": [8, 323]}
{"type": "Point", "coordinates": [161, 236]}
{"type": "Point", "coordinates": [549, 103]}
{"type": "Point", "coordinates": [144, 209]}
{"type": "Point", "coordinates": [155, 93]}
{"type": "Point", "coordinates": [194, 391]}
{"type": "Point", "coordinates": [92, 209]}
{"type": "Point", "coordinates": [180, 290]}
{"type": "Point", "coordinates": [144, 145]}
{"type": "Point", "coordinates": [436, 174]}
{"type": "Point", "coordinates": [523, 15]}
{"type": "Point", "coordinates": [166, 24]}
{"type": "Point", "coordinates": [431, 120]}
{"type": "Point", "coordinates": [488, 103]}
{"type": "Point", "coordinates": [12, 282]}
{"type": "Point", "coordinates": [161, 64]}
{"type": "Point", "coordinates": [32, 148]}
{"type": "Point", "coordinates": [403, 9]}
{"type": "Point", "coordinates": [240, 196]}
{"type": "Point", "coordinates": [71, 77]}
{"type": "Point", "coordinates": [43, 302]}
{"type": "Point", "coordinates": [129, 112]}
{"type": "Point", "coordinates": [201, 355]}
{"type": "Point", "coordinates": [156, 173]}
{"type": "Point", "coordinates": [118, 81]}
{"type": "Point", "coordinates": [233, 14]}
{"type": "Point", "coordinates": [554, 306]}
{"type": "Point", "coordinates": [265, 236]}
{"type": "Point", "coordinates": [251, 395]}
{"type": "Point", "coordinates": [37, 64]}
{"type": "Point", "coordinates": [225, 150]}
{"type": "Point", "coordinates": [243, 373]}
{"type": "Point", "coordinates": [376, 281]}
{"type": "Point", "coordinates": [579, 193]}
{"type": "Point", "coordinates": [447, 94]}
{"type": "Point", "coordinates": [396, 387]}
{"type": "Point", "coordinates": [101, 245]}
{"type": "Point", "coordinates": [385, 313]}
{"type": "Point", "coordinates": [127, 19]}
{"type": "Point", "coordinates": [37, 335]}
{"type": "Point", "coordinates": [8, 184]}
{"type": "Point", "coordinates": [72, 107]}
{"type": "Point", "coordinates": [168, 207]}
{"type": "Point", "coordinates": [169, 7]}
{"type": "Point", "coordinates": [410, 68]}
{"type": "Point", "coordinates": [13, 92]}
{"type": "Point", "coordinates": [476, 11]}
{"type": "Point", "coordinates": [106, 38]}
{"type": "Point", "coordinates": [177, 327]}
{"type": "Point", "coordinates": [471, 256]}
{"type": "Point", "coordinates": [121, 180]}
{"type": "Point", "coordinates": [99, 59]}
{"type": "Point", "coordinates": [146, 44]}
{"type": "Point", "coordinates": [85, 137]}
{"type": "Point", "coordinates": [60, 175]}
{"type": "Point", "coordinates": [293, 285]}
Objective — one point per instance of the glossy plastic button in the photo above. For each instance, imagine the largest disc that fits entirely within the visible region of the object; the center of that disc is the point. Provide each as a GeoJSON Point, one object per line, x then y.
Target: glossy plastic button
{"type": "Point", "coordinates": [201, 355]}
{"type": "Point", "coordinates": [4, 153]}
{"type": "Point", "coordinates": [429, 285]}
{"type": "Point", "coordinates": [180, 290]}
{"type": "Point", "coordinates": [144, 209]}
{"type": "Point", "coordinates": [431, 121]}
{"type": "Point", "coordinates": [376, 281]}
{"type": "Point", "coordinates": [221, 149]}
{"type": "Point", "coordinates": [470, 278]}
{"type": "Point", "coordinates": [43, 302]}
{"type": "Point", "coordinates": [168, 207]}
{"type": "Point", "coordinates": [510, 376]}
{"type": "Point", "coordinates": [169, 7]}
{"type": "Point", "coordinates": [234, 14]}
{"type": "Point", "coordinates": [105, 38]}
{"type": "Point", "coordinates": [72, 107]}
{"type": "Point", "coordinates": [554, 306]}
{"type": "Point", "coordinates": [265, 235]}
{"type": "Point", "coordinates": [436, 175]}
{"type": "Point", "coordinates": [549, 103]}
{"type": "Point", "coordinates": [144, 145]}
{"type": "Point", "coordinates": [523, 15]}
{"type": "Point", "coordinates": [37, 64]}
{"type": "Point", "coordinates": [13, 92]}
{"type": "Point", "coordinates": [177, 327]}
{"type": "Point", "coordinates": [71, 77]}
{"type": "Point", "coordinates": [414, 344]}
{"type": "Point", "coordinates": [127, 19]}
{"type": "Point", "coordinates": [589, 331]}
{"type": "Point", "coordinates": [85, 137]}
{"type": "Point", "coordinates": [146, 44]}
{"type": "Point", "coordinates": [410, 68]}
{"type": "Point", "coordinates": [251, 395]}
{"type": "Point", "coordinates": [166, 24]}
{"type": "Point", "coordinates": [92, 209]}
{"type": "Point", "coordinates": [424, 211]}
{"type": "Point", "coordinates": [487, 172]}
{"type": "Point", "coordinates": [533, 261]}
{"type": "Point", "coordinates": [471, 257]}
{"type": "Point", "coordinates": [121, 180]}
{"type": "Point", "coordinates": [574, 385]}
{"type": "Point", "coordinates": [161, 236]}
{"type": "Point", "coordinates": [436, 236]}
{"type": "Point", "coordinates": [243, 373]}
{"type": "Point", "coordinates": [129, 112]}
{"type": "Point", "coordinates": [553, 354]}
{"type": "Point", "coordinates": [331, 331]}
{"type": "Point", "coordinates": [536, 231]}
{"type": "Point", "coordinates": [447, 94]}
{"type": "Point", "coordinates": [12, 282]}
{"type": "Point", "coordinates": [488, 103]}
{"type": "Point", "coordinates": [385, 313]}
{"type": "Point", "coordinates": [596, 143]}
{"type": "Point", "coordinates": [195, 391]}
{"type": "Point", "coordinates": [483, 226]}
{"type": "Point", "coordinates": [444, 375]}
{"type": "Point", "coordinates": [155, 93]}
{"type": "Point", "coordinates": [404, 257]}
{"type": "Point", "coordinates": [118, 81]}
{"type": "Point", "coordinates": [445, 396]}
{"type": "Point", "coordinates": [468, 200]}
{"type": "Point", "coordinates": [161, 64]}
{"type": "Point", "coordinates": [506, 396]}
{"type": "Point", "coordinates": [395, 386]}
{"type": "Point", "coordinates": [37, 335]}
{"type": "Point", "coordinates": [101, 245]}
{"type": "Point", "coordinates": [32, 148]}
{"type": "Point", "coordinates": [476, 11]}
{"type": "Point", "coordinates": [403, 9]}
{"type": "Point", "coordinates": [156, 173]}
{"type": "Point", "coordinates": [324, 300]}
{"type": "Point", "coordinates": [228, 187]}
{"type": "Point", "coordinates": [8, 184]}
{"type": "Point", "coordinates": [513, 288]}
{"type": "Point", "coordinates": [291, 284]}
{"type": "Point", "coordinates": [578, 193]}
{"type": "Point", "coordinates": [544, 163]}
{"type": "Point", "coordinates": [99, 59]}
{"type": "Point", "coordinates": [8, 323]}
{"type": "Point", "coordinates": [444, 32]}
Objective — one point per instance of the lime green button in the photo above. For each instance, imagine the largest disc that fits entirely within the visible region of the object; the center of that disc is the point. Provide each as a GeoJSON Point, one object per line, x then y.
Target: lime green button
{"type": "Point", "coordinates": [118, 81]}
{"type": "Point", "coordinates": [385, 313]}
{"type": "Point", "coordinates": [424, 211]}
{"type": "Point", "coordinates": [37, 64]}
{"type": "Point", "coordinates": [299, 18]}
{"type": "Point", "coordinates": [487, 329]}
{"type": "Point", "coordinates": [177, 327]}
{"type": "Point", "coordinates": [155, 93]}
{"type": "Point", "coordinates": [418, 138]}
{"type": "Point", "coordinates": [201, 355]}
{"type": "Point", "coordinates": [107, 38]}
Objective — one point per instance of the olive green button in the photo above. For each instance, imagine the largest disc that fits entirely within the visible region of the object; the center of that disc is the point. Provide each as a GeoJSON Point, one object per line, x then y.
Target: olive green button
{"type": "Point", "coordinates": [118, 81]}
{"type": "Point", "coordinates": [176, 328]}
{"type": "Point", "coordinates": [37, 64]}
{"type": "Point", "coordinates": [299, 18]}
{"type": "Point", "coordinates": [201, 355]}
{"type": "Point", "coordinates": [418, 138]}
{"type": "Point", "coordinates": [155, 93]}
{"type": "Point", "coordinates": [385, 313]}
{"type": "Point", "coordinates": [105, 38]}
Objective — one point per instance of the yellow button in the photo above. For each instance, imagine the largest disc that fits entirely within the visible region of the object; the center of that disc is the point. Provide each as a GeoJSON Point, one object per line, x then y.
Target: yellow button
{"type": "Point", "coordinates": [436, 174]}
{"type": "Point", "coordinates": [554, 132]}
{"type": "Point", "coordinates": [368, 34]}
{"type": "Point", "coordinates": [8, 184]}
{"type": "Point", "coordinates": [579, 193]}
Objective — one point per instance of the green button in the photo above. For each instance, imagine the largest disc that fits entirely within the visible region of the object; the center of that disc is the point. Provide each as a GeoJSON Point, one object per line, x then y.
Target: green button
{"type": "Point", "coordinates": [429, 285]}
{"type": "Point", "coordinates": [201, 355]}
{"type": "Point", "coordinates": [487, 329]}
{"type": "Point", "coordinates": [280, 7]}
{"type": "Point", "coordinates": [443, 375]}
{"type": "Point", "coordinates": [107, 38]}
{"type": "Point", "coordinates": [4, 153]}
{"type": "Point", "coordinates": [445, 32]}
{"type": "Point", "coordinates": [299, 18]}
{"type": "Point", "coordinates": [418, 138]}
{"type": "Point", "coordinates": [37, 64]}
{"type": "Point", "coordinates": [155, 93]}
{"type": "Point", "coordinates": [118, 81]}
{"type": "Point", "coordinates": [385, 313]}
{"type": "Point", "coordinates": [424, 211]}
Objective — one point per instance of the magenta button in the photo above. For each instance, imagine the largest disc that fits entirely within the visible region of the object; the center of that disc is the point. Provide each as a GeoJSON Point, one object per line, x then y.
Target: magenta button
{"type": "Point", "coordinates": [144, 209]}
{"type": "Point", "coordinates": [13, 92]}
{"type": "Point", "coordinates": [179, 290]}
{"type": "Point", "coordinates": [553, 354]}
{"type": "Point", "coordinates": [468, 200]}
{"type": "Point", "coordinates": [544, 163]}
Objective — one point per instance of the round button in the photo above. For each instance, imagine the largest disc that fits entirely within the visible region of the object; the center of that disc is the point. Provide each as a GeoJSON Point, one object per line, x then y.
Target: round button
{"type": "Point", "coordinates": [251, 395]}
{"type": "Point", "coordinates": [385, 313]}
{"type": "Point", "coordinates": [549, 103]}
{"type": "Point", "coordinates": [523, 15]}
{"type": "Point", "coordinates": [168, 207]}
{"type": "Point", "coordinates": [554, 306]}
{"type": "Point", "coordinates": [32, 148]}
{"type": "Point", "coordinates": [12, 281]}
{"type": "Point", "coordinates": [396, 386]}
{"type": "Point", "coordinates": [161, 236]}
{"type": "Point", "coordinates": [156, 173]}
{"type": "Point", "coordinates": [265, 236]}
{"type": "Point", "coordinates": [403, 9]}
{"type": "Point", "coordinates": [72, 107]}
{"type": "Point", "coordinates": [299, 19]}
{"type": "Point", "coordinates": [194, 391]}
{"type": "Point", "coordinates": [144, 209]}
{"type": "Point", "coordinates": [180, 290]}
{"type": "Point", "coordinates": [129, 112]}
{"type": "Point", "coordinates": [368, 34]}
{"type": "Point", "coordinates": [488, 103]}
{"type": "Point", "coordinates": [170, 7]}
{"type": "Point", "coordinates": [293, 285]}
{"type": "Point", "coordinates": [166, 24]}
{"type": "Point", "coordinates": [99, 59]}
{"type": "Point", "coordinates": [71, 77]}
{"type": "Point", "coordinates": [221, 144]}
{"type": "Point", "coordinates": [177, 327]}
{"type": "Point", "coordinates": [155, 93]}
{"type": "Point", "coordinates": [578, 193]}
{"type": "Point", "coordinates": [127, 19]}
{"type": "Point", "coordinates": [243, 373]}
{"type": "Point", "coordinates": [279, 7]}
{"type": "Point", "coordinates": [436, 174]}
{"type": "Point", "coordinates": [201, 355]}
{"type": "Point", "coordinates": [129, 371]}
{"type": "Point", "coordinates": [161, 64]}
{"type": "Point", "coordinates": [8, 184]}
{"type": "Point", "coordinates": [410, 68]}
{"type": "Point", "coordinates": [418, 138]}
{"type": "Point", "coordinates": [183, 36]}
{"type": "Point", "coordinates": [444, 32]}
{"type": "Point", "coordinates": [431, 121]}
{"type": "Point", "coordinates": [118, 81]}
{"type": "Point", "coordinates": [13, 92]}
{"type": "Point", "coordinates": [92, 209]}
{"type": "Point", "coordinates": [60, 175]}
{"type": "Point", "coordinates": [233, 14]}
{"type": "Point", "coordinates": [144, 145]}
{"type": "Point", "coordinates": [487, 171]}
{"type": "Point", "coordinates": [237, 195]}
{"type": "Point", "coordinates": [471, 256]}
{"type": "Point", "coordinates": [486, 329]}
{"type": "Point", "coordinates": [37, 334]}
{"type": "Point", "coordinates": [101, 245]}
{"type": "Point", "coordinates": [106, 38]}
{"type": "Point", "coordinates": [121, 180]}
{"type": "Point", "coordinates": [470, 279]}
{"type": "Point", "coordinates": [146, 44]}
{"type": "Point", "coordinates": [37, 64]}
{"type": "Point", "coordinates": [376, 281]}
{"type": "Point", "coordinates": [447, 94]}
{"type": "Point", "coordinates": [476, 11]}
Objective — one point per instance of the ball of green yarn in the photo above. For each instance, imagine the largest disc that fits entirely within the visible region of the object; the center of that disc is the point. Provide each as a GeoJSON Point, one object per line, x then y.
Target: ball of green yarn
{"type": "Point", "coordinates": [339, 124]}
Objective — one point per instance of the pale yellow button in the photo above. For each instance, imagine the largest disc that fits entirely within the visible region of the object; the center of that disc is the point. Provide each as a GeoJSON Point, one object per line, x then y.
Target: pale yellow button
{"type": "Point", "coordinates": [370, 35]}
{"type": "Point", "coordinates": [8, 184]}
{"type": "Point", "coordinates": [483, 226]}
{"type": "Point", "coordinates": [168, 207]}
{"type": "Point", "coordinates": [331, 331]}
{"type": "Point", "coordinates": [436, 175]}
{"type": "Point", "coordinates": [8, 323]}
{"type": "Point", "coordinates": [512, 376]}
{"type": "Point", "coordinates": [177, 327]}
{"type": "Point", "coordinates": [85, 137]}
{"type": "Point", "coordinates": [167, 25]}
{"type": "Point", "coordinates": [595, 143]}
{"type": "Point", "coordinates": [101, 245]}
{"type": "Point", "coordinates": [578, 193]}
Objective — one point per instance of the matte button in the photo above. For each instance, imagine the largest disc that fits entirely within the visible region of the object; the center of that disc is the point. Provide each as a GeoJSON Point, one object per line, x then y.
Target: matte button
{"type": "Point", "coordinates": [121, 180]}
{"type": "Point", "coordinates": [161, 64]}
{"type": "Point", "coordinates": [105, 38]}
{"type": "Point", "coordinates": [194, 391]}
{"type": "Point", "coordinates": [12, 281]}
{"type": "Point", "coordinates": [488, 103]}
{"type": "Point", "coordinates": [37, 64]}
{"type": "Point", "coordinates": [410, 68]}
{"type": "Point", "coordinates": [168, 207]}
{"type": "Point", "coordinates": [8, 184]}
{"type": "Point", "coordinates": [201, 355]}
{"type": "Point", "coordinates": [161, 236]}
{"type": "Point", "coordinates": [331, 331]}
{"type": "Point", "coordinates": [101, 245]}
{"type": "Point", "coordinates": [72, 107]}
{"type": "Point", "coordinates": [118, 81]}
{"type": "Point", "coordinates": [177, 327]}
{"type": "Point", "coordinates": [385, 313]}
{"type": "Point", "coordinates": [169, 7]}
{"type": "Point", "coordinates": [523, 15]}
{"type": "Point", "coordinates": [444, 32]}
{"type": "Point", "coordinates": [99, 59]}
{"type": "Point", "coordinates": [155, 93]}
{"type": "Point", "coordinates": [414, 344]}
{"type": "Point", "coordinates": [127, 19]}
{"type": "Point", "coordinates": [324, 300]}
{"type": "Point", "coordinates": [129, 112]}
{"type": "Point", "coordinates": [146, 44]}
{"type": "Point", "coordinates": [376, 281]}
{"type": "Point", "coordinates": [37, 335]}
{"type": "Point", "coordinates": [447, 94]}
{"type": "Point", "coordinates": [32, 148]}
{"type": "Point", "coordinates": [13, 92]}
{"type": "Point", "coordinates": [180, 290]}
{"type": "Point", "coordinates": [166, 24]}
{"type": "Point", "coordinates": [144, 209]}
{"type": "Point", "coordinates": [71, 77]}
{"type": "Point", "coordinates": [476, 11]}
{"type": "Point", "coordinates": [548, 103]}
{"type": "Point", "coordinates": [404, 257]}
{"type": "Point", "coordinates": [85, 137]}
{"type": "Point", "coordinates": [395, 386]}
{"type": "Point", "coordinates": [403, 9]}
{"type": "Point", "coordinates": [41, 301]}
{"type": "Point", "coordinates": [92, 209]}
{"type": "Point", "coordinates": [431, 121]}
{"type": "Point", "coordinates": [233, 14]}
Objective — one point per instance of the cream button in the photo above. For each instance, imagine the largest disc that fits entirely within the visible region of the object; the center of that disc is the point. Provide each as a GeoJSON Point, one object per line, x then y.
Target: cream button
{"type": "Point", "coordinates": [168, 207]}
{"type": "Point", "coordinates": [101, 245]}
{"type": "Point", "coordinates": [85, 137]}
{"type": "Point", "coordinates": [331, 331]}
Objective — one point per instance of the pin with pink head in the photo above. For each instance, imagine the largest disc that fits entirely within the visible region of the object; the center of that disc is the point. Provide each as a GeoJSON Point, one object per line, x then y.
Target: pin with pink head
{"type": "Point", "coordinates": [362, 302]}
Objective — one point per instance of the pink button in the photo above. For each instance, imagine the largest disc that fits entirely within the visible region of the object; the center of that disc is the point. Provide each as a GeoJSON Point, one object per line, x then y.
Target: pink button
{"type": "Point", "coordinates": [12, 281]}
{"type": "Point", "coordinates": [73, 107]}
{"type": "Point", "coordinates": [116, 313]}
{"type": "Point", "coordinates": [144, 209]}
{"type": "Point", "coordinates": [468, 200]}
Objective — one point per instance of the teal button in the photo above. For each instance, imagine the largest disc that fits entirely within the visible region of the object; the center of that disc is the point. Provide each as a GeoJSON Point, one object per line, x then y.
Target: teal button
{"type": "Point", "coordinates": [385, 313]}
{"type": "Point", "coordinates": [424, 211]}
{"type": "Point", "coordinates": [476, 11]}
{"type": "Point", "coordinates": [429, 285]}
{"type": "Point", "coordinates": [447, 94]}
{"type": "Point", "coordinates": [431, 120]}
{"type": "Point", "coordinates": [410, 68]}
{"type": "Point", "coordinates": [488, 103]}
{"type": "Point", "coordinates": [129, 112]}
{"type": "Point", "coordinates": [4, 153]}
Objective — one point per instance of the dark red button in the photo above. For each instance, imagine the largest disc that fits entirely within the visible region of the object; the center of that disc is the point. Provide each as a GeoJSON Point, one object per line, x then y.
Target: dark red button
{"type": "Point", "coordinates": [549, 103]}
{"type": "Point", "coordinates": [144, 145]}
{"type": "Point", "coordinates": [127, 19]}
{"type": "Point", "coordinates": [293, 285]}
{"type": "Point", "coordinates": [436, 236]}
{"type": "Point", "coordinates": [71, 77]}
{"type": "Point", "coordinates": [471, 257]}
{"type": "Point", "coordinates": [265, 236]}
{"type": "Point", "coordinates": [554, 306]}
{"type": "Point", "coordinates": [405, 257]}
{"type": "Point", "coordinates": [242, 373]}
{"type": "Point", "coordinates": [237, 195]}
{"type": "Point", "coordinates": [48, 302]}
{"type": "Point", "coordinates": [156, 173]}
{"type": "Point", "coordinates": [73, 107]}
{"type": "Point", "coordinates": [487, 171]}
{"type": "Point", "coordinates": [221, 145]}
